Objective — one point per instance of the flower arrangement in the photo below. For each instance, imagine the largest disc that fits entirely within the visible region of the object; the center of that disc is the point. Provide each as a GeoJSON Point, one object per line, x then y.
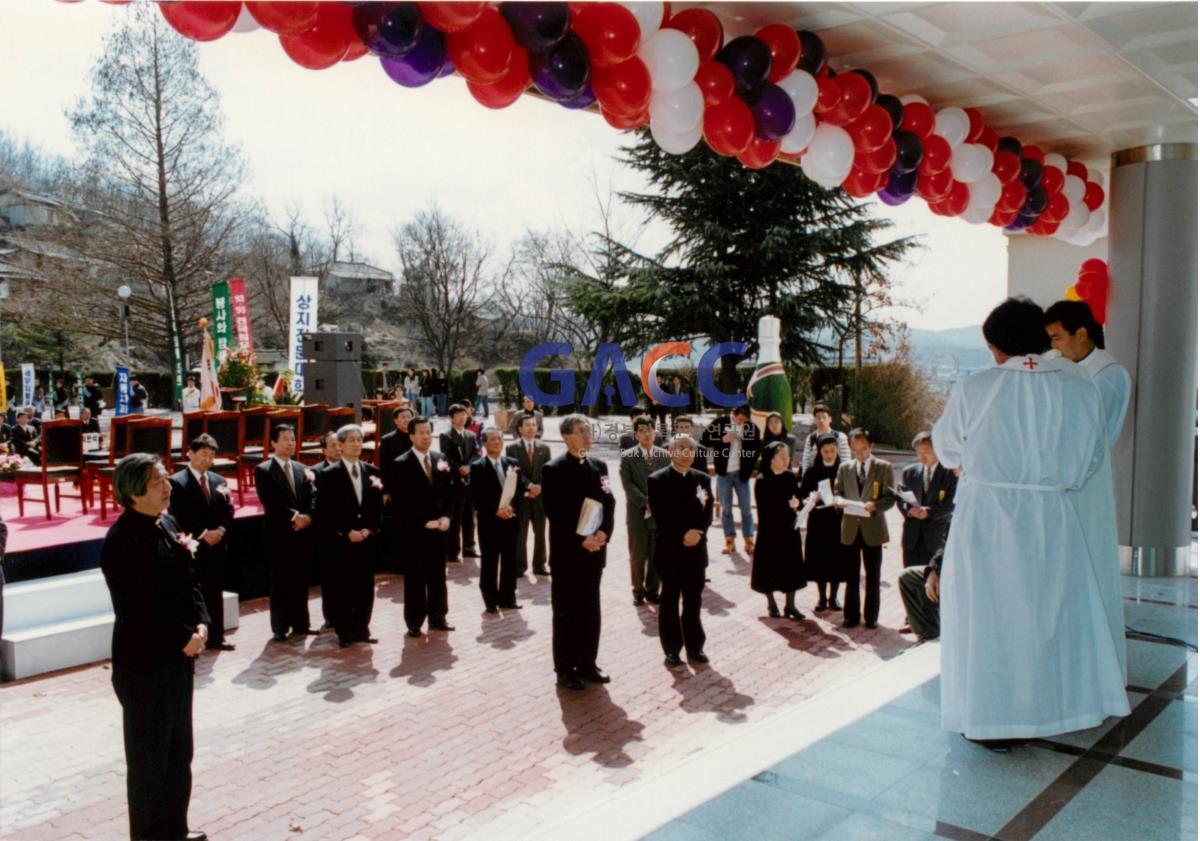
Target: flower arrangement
{"type": "Point", "coordinates": [11, 463]}
{"type": "Point", "coordinates": [239, 373]}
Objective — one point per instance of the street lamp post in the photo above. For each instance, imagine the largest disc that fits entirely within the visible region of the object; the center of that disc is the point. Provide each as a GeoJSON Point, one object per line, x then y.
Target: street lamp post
{"type": "Point", "coordinates": [123, 293]}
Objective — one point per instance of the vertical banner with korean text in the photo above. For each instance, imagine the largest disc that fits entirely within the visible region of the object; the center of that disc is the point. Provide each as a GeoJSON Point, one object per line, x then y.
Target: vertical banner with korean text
{"type": "Point", "coordinates": [303, 319]}
{"type": "Point", "coordinates": [27, 385]}
{"type": "Point", "coordinates": [222, 319]}
{"type": "Point", "coordinates": [121, 390]}
{"type": "Point", "coordinates": [240, 307]}
{"type": "Point", "coordinates": [3, 390]}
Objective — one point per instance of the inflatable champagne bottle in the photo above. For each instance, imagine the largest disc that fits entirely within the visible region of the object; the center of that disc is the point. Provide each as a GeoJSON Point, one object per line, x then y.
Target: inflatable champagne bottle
{"type": "Point", "coordinates": [768, 390]}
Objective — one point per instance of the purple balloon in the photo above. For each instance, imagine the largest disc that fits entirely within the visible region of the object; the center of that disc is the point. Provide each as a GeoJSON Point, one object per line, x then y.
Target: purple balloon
{"type": "Point", "coordinates": [583, 100]}
{"type": "Point", "coordinates": [420, 65]}
{"type": "Point", "coordinates": [901, 183]}
{"type": "Point", "coordinates": [561, 72]}
{"type": "Point", "coordinates": [388, 29]}
{"type": "Point", "coordinates": [892, 200]}
{"type": "Point", "coordinates": [448, 68]}
{"type": "Point", "coordinates": [774, 113]}
{"type": "Point", "coordinates": [537, 26]}
{"type": "Point", "coordinates": [749, 60]}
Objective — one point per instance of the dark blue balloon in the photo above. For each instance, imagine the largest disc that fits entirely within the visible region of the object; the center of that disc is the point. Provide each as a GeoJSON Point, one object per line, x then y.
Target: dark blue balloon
{"type": "Point", "coordinates": [892, 199]}
{"type": "Point", "coordinates": [448, 68]}
{"type": "Point", "coordinates": [561, 72]}
{"type": "Point", "coordinates": [812, 52]}
{"type": "Point", "coordinates": [773, 110]}
{"type": "Point", "coordinates": [388, 29]}
{"type": "Point", "coordinates": [749, 60]}
{"type": "Point", "coordinates": [909, 151]}
{"type": "Point", "coordinates": [583, 100]}
{"type": "Point", "coordinates": [893, 106]}
{"type": "Point", "coordinates": [537, 26]}
{"type": "Point", "coordinates": [1009, 143]}
{"type": "Point", "coordinates": [901, 183]}
{"type": "Point", "coordinates": [1031, 173]}
{"type": "Point", "coordinates": [420, 65]}
{"type": "Point", "coordinates": [1035, 201]}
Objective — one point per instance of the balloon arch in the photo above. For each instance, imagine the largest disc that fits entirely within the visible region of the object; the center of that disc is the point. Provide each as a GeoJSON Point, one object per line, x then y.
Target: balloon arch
{"type": "Point", "coordinates": [760, 98]}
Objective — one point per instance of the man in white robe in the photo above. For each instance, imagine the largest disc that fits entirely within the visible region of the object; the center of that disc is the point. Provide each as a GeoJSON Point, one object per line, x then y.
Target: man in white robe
{"type": "Point", "coordinates": [1074, 333]}
{"type": "Point", "coordinates": [1026, 646]}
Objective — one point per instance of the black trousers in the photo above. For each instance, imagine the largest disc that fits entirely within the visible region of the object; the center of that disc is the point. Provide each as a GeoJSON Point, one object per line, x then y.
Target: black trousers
{"type": "Point", "coordinates": [923, 615]}
{"type": "Point", "coordinates": [575, 603]}
{"type": "Point", "coordinates": [157, 715]}
{"type": "Point", "coordinates": [210, 574]}
{"type": "Point", "coordinates": [425, 586]}
{"type": "Point", "coordinates": [289, 562]}
{"type": "Point", "coordinates": [353, 588]}
{"type": "Point", "coordinates": [531, 515]}
{"type": "Point", "coordinates": [498, 565]}
{"type": "Point", "coordinates": [872, 561]}
{"type": "Point", "coordinates": [676, 630]}
{"type": "Point", "coordinates": [461, 536]}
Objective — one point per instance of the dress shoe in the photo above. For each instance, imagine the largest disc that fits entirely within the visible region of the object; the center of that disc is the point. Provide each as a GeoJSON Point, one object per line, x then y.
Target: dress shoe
{"type": "Point", "coordinates": [369, 640]}
{"type": "Point", "coordinates": [222, 646]}
{"type": "Point", "coordinates": [454, 560]}
{"type": "Point", "coordinates": [513, 606]}
{"type": "Point", "coordinates": [697, 656]}
{"type": "Point", "coordinates": [306, 632]}
{"type": "Point", "coordinates": [728, 550]}
{"type": "Point", "coordinates": [792, 613]}
{"type": "Point", "coordinates": [653, 598]}
{"type": "Point", "coordinates": [870, 625]}
{"type": "Point", "coordinates": [905, 629]}
{"type": "Point", "coordinates": [280, 637]}
{"type": "Point", "coordinates": [570, 682]}
{"type": "Point", "coordinates": [540, 571]}
{"type": "Point", "coordinates": [440, 626]}
{"type": "Point", "coordinates": [821, 607]}
{"type": "Point", "coordinates": [491, 609]}
{"type": "Point", "coordinates": [594, 675]}
{"type": "Point", "coordinates": [196, 835]}
{"type": "Point", "coordinates": [470, 553]}
{"type": "Point", "coordinates": [850, 624]}
{"type": "Point", "coordinates": [834, 604]}
{"type": "Point", "coordinates": [325, 626]}
{"type": "Point", "coordinates": [638, 600]}
{"type": "Point", "coordinates": [344, 643]}
{"type": "Point", "coordinates": [672, 661]}
{"type": "Point", "coordinates": [997, 745]}
{"type": "Point", "coordinates": [414, 632]}
{"type": "Point", "coordinates": [773, 611]}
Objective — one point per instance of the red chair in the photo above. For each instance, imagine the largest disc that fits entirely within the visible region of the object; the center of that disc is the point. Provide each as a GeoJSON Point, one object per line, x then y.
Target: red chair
{"type": "Point", "coordinates": [314, 420]}
{"type": "Point", "coordinates": [339, 417]}
{"type": "Point", "coordinates": [384, 423]}
{"type": "Point", "coordinates": [62, 461]}
{"type": "Point", "coordinates": [193, 425]}
{"type": "Point", "coordinates": [229, 430]}
{"type": "Point", "coordinates": [142, 435]}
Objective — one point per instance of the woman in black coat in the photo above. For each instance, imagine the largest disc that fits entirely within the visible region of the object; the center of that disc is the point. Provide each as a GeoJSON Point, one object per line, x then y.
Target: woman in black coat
{"type": "Point", "coordinates": [825, 557]}
{"type": "Point", "coordinates": [773, 431]}
{"type": "Point", "coordinates": [778, 560]}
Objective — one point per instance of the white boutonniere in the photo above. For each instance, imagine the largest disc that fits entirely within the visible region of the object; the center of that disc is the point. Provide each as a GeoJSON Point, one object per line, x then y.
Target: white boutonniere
{"type": "Point", "coordinates": [443, 466]}
{"type": "Point", "coordinates": [309, 475]}
{"type": "Point", "coordinates": [376, 483]}
{"type": "Point", "coordinates": [188, 542]}
{"type": "Point", "coordinates": [604, 486]}
{"type": "Point", "coordinates": [223, 490]}
{"type": "Point", "coordinates": [702, 495]}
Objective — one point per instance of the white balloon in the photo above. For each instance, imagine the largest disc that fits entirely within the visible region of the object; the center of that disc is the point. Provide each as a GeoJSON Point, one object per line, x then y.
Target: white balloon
{"type": "Point", "coordinates": [830, 155]}
{"type": "Point", "coordinates": [649, 17]}
{"type": "Point", "coordinates": [913, 97]}
{"type": "Point", "coordinates": [985, 192]}
{"type": "Point", "coordinates": [1096, 176]}
{"type": "Point", "coordinates": [976, 215]}
{"type": "Point", "coordinates": [1073, 188]}
{"type": "Point", "coordinates": [675, 142]}
{"type": "Point", "coordinates": [1077, 216]}
{"type": "Point", "coordinates": [953, 124]}
{"type": "Point", "coordinates": [1096, 222]}
{"type": "Point", "coordinates": [802, 88]}
{"type": "Point", "coordinates": [800, 136]}
{"type": "Point", "coordinates": [970, 161]}
{"type": "Point", "coordinates": [1056, 160]}
{"type": "Point", "coordinates": [671, 58]}
{"type": "Point", "coordinates": [677, 111]}
{"type": "Point", "coordinates": [245, 22]}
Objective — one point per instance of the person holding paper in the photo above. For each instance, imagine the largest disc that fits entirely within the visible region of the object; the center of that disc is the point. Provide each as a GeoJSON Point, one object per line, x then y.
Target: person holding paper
{"type": "Point", "coordinates": [864, 492]}
{"type": "Point", "coordinates": [1026, 645]}
{"type": "Point", "coordinates": [497, 487]}
{"type": "Point", "coordinates": [681, 500]}
{"type": "Point", "coordinates": [778, 558]}
{"type": "Point", "coordinates": [926, 499]}
{"type": "Point", "coordinates": [576, 484]}
{"type": "Point", "coordinates": [826, 560]}
{"type": "Point", "coordinates": [637, 463]}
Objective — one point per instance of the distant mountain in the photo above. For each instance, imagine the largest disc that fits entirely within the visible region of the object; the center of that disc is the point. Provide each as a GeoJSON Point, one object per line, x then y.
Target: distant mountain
{"type": "Point", "coordinates": [958, 347]}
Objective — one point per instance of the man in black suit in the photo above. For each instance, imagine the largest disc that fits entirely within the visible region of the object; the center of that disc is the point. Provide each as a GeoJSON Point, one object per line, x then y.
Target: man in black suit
{"type": "Point", "coordinates": [459, 447]}
{"type": "Point", "coordinates": [286, 491]}
{"type": "Point", "coordinates": [25, 439]}
{"type": "Point", "coordinates": [397, 442]}
{"type": "Point", "coordinates": [87, 422]}
{"type": "Point", "coordinates": [420, 486]}
{"type": "Point", "coordinates": [138, 396]}
{"type": "Point", "coordinates": [498, 567]}
{"type": "Point", "coordinates": [734, 444]}
{"type": "Point", "coordinates": [92, 397]}
{"type": "Point", "coordinates": [331, 450]}
{"type": "Point", "coordinates": [682, 503]}
{"type": "Point", "coordinates": [161, 625]}
{"type": "Point", "coordinates": [528, 409]}
{"type": "Point", "coordinates": [531, 456]}
{"type": "Point", "coordinates": [578, 559]}
{"type": "Point", "coordinates": [349, 513]}
{"type": "Point", "coordinates": [926, 523]}
{"type": "Point", "coordinates": [202, 508]}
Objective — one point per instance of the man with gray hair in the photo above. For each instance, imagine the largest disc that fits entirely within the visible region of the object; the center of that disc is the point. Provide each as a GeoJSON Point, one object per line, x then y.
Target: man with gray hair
{"type": "Point", "coordinates": [498, 564]}
{"type": "Point", "coordinates": [580, 505]}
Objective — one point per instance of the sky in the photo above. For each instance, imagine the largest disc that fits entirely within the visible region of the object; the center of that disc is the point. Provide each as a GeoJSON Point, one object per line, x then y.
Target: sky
{"type": "Point", "coordinates": [388, 152]}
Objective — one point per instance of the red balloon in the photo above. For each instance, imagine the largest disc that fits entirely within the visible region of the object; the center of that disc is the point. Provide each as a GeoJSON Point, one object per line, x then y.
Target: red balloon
{"type": "Point", "coordinates": [666, 15]}
{"type": "Point", "coordinates": [919, 119]}
{"type": "Point", "coordinates": [1093, 264]}
{"type": "Point", "coordinates": [1012, 197]}
{"type": "Point", "coordinates": [855, 99]}
{"type": "Point", "coordinates": [290, 18]}
{"type": "Point", "coordinates": [877, 160]}
{"type": "Point", "coordinates": [1057, 208]}
{"type": "Point", "coordinates": [702, 26]}
{"type": "Point", "coordinates": [937, 155]}
{"type": "Point", "coordinates": [1034, 153]}
{"type": "Point", "coordinates": [610, 33]}
{"type": "Point", "coordinates": [934, 186]}
{"type": "Point", "coordinates": [784, 44]}
{"type": "Point", "coordinates": [872, 129]}
{"type": "Point", "coordinates": [201, 21]}
{"type": "Point", "coordinates": [1006, 166]}
{"type": "Point", "coordinates": [760, 153]}
{"type": "Point", "coordinates": [989, 138]}
{"type": "Point", "coordinates": [860, 183]}
{"type": "Point", "coordinates": [1093, 288]}
{"type": "Point", "coordinates": [623, 88]}
{"type": "Point", "coordinates": [509, 88]}
{"type": "Point", "coordinates": [1052, 180]}
{"type": "Point", "coordinates": [829, 94]}
{"type": "Point", "coordinates": [1002, 218]}
{"type": "Point", "coordinates": [624, 122]}
{"type": "Point", "coordinates": [1077, 169]}
{"type": "Point", "coordinates": [326, 43]}
{"type": "Point", "coordinates": [483, 51]}
{"type": "Point", "coordinates": [1093, 195]}
{"type": "Point", "coordinates": [715, 81]}
{"type": "Point", "coordinates": [356, 50]}
{"type": "Point", "coordinates": [451, 17]}
{"type": "Point", "coordinates": [728, 126]}
{"type": "Point", "coordinates": [1050, 228]}
{"type": "Point", "coordinates": [958, 199]}
{"type": "Point", "coordinates": [976, 124]}
{"type": "Point", "coordinates": [1038, 228]}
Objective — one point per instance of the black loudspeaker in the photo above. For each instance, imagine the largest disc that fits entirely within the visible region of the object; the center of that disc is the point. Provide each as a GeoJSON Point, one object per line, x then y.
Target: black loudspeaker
{"type": "Point", "coordinates": [332, 347]}
{"type": "Point", "coordinates": [334, 384]}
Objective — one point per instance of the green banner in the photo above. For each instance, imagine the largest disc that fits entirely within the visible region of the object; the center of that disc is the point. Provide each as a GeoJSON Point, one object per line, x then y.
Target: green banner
{"type": "Point", "coordinates": [222, 319]}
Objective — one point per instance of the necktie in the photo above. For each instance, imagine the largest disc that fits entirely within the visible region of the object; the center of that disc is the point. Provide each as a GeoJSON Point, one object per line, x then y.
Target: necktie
{"type": "Point", "coordinates": [354, 471]}
{"type": "Point", "coordinates": [291, 480]}
{"type": "Point", "coordinates": [428, 468]}
{"type": "Point", "coordinates": [499, 472]}
{"type": "Point", "coordinates": [928, 478]}
{"type": "Point", "coordinates": [204, 487]}
{"type": "Point", "coordinates": [529, 449]}
{"type": "Point", "coordinates": [862, 477]}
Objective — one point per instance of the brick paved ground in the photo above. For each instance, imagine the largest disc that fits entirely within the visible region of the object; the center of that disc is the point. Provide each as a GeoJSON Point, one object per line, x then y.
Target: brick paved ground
{"type": "Point", "coordinates": [448, 736]}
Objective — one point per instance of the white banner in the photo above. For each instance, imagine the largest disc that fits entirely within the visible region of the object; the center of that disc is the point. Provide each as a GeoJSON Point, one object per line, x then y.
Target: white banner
{"type": "Point", "coordinates": [303, 319]}
{"type": "Point", "coordinates": [27, 385]}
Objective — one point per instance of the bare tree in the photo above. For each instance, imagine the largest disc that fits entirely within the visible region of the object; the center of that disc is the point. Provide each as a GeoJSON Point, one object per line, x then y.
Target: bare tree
{"type": "Point", "coordinates": [445, 288]}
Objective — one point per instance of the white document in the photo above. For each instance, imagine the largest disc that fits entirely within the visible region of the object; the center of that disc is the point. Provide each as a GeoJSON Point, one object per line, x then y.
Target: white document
{"type": "Point", "coordinates": [852, 507]}
{"type": "Point", "coordinates": [825, 491]}
{"type": "Point", "coordinates": [591, 515]}
{"type": "Point", "coordinates": [908, 496]}
{"type": "Point", "coordinates": [510, 489]}
{"type": "Point", "coordinates": [805, 510]}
